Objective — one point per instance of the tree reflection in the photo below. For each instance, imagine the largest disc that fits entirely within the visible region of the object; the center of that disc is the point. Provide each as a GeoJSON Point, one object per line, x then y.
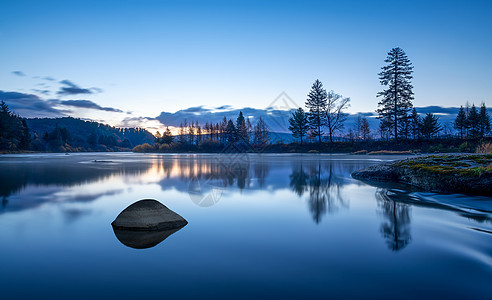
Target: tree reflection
{"type": "Point", "coordinates": [396, 224]}
{"type": "Point", "coordinates": [323, 182]}
{"type": "Point", "coordinates": [298, 180]}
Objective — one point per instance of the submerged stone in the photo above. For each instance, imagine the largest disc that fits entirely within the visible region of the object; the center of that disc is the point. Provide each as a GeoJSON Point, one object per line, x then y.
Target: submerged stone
{"type": "Point", "coordinates": [148, 214]}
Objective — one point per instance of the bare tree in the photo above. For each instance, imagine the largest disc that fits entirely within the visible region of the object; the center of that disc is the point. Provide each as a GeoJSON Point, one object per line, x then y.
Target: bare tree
{"type": "Point", "coordinates": [335, 116]}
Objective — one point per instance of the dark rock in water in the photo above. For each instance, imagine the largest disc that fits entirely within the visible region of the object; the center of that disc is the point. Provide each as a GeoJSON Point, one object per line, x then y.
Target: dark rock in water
{"type": "Point", "coordinates": [139, 239]}
{"type": "Point", "coordinates": [148, 214]}
{"type": "Point", "coordinates": [382, 172]}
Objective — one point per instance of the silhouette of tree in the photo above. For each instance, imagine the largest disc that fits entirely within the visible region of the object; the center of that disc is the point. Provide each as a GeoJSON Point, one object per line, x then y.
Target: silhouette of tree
{"type": "Point", "coordinates": [415, 122]}
{"type": "Point", "coordinates": [261, 133]}
{"type": "Point", "coordinates": [484, 121]}
{"type": "Point", "coordinates": [242, 129]}
{"type": "Point", "coordinates": [334, 115]}
{"type": "Point", "coordinates": [231, 133]}
{"type": "Point", "coordinates": [430, 126]}
{"type": "Point", "coordinates": [299, 124]}
{"type": "Point", "coordinates": [397, 97]}
{"type": "Point", "coordinates": [365, 131]}
{"type": "Point", "coordinates": [474, 122]}
{"type": "Point", "coordinates": [14, 133]}
{"type": "Point", "coordinates": [460, 122]}
{"type": "Point", "coordinates": [316, 104]}
{"type": "Point", "coordinates": [167, 136]}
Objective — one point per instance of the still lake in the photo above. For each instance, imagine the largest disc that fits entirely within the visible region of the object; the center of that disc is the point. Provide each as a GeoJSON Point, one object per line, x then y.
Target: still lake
{"type": "Point", "coordinates": [260, 226]}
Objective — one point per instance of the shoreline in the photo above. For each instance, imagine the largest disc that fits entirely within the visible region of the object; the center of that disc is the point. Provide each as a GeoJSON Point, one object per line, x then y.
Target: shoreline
{"type": "Point", "coordinates": [449, 173]}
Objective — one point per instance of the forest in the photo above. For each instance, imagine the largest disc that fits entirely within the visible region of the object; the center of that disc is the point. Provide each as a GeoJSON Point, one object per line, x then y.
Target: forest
{"type": "Point", "coordinates": [65, 134]}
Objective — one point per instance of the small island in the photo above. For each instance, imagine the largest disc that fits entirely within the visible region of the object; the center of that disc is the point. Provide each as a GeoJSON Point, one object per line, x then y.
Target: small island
{"type": "Point", "coordinates": [459, 173]}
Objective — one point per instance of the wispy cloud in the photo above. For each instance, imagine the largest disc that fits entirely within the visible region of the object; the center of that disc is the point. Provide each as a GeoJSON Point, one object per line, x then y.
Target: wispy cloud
{"type": "Point", "coordinates": [71, 88]}
{"type": "Point", "coordinates": [31, 106]}
{"type": "Point", "coordinates": [43, 92]}
{"type": "Point", "coordinates": [19, 73]}
{"type": "Point", "coordinates": [87, 104]}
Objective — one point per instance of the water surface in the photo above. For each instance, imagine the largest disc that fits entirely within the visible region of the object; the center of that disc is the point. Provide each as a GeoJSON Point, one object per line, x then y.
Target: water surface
{"type": "Point", "coordinates": [270, 225]}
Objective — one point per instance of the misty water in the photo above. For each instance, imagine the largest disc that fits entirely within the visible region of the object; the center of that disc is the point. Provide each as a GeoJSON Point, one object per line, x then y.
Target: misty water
{"type": "Point", "coordinates": [269, 226]}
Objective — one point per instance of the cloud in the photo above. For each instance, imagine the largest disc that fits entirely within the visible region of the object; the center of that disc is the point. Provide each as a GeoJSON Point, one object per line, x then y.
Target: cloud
{"type": "Point", "coordinates": [44, 92]}
{"type": "Point", "coordinates": [30, 105]}
{"type": "Point", "coordinates": [19, 73]}
{"type": "Point", "coordinates": [224, 107]}
{"type": "Point", "coordinates": [132, 122]}
{"type": "Point", "coordinates": [48, 78]}
{"type": "Point", "coordinates": [71, 88]}
{"type": "Point", "coordinates": [87, 104]}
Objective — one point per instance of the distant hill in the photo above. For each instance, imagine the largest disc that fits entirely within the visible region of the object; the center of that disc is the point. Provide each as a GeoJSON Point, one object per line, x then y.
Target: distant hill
{"type": "Point", "coordinates": [86, 134]}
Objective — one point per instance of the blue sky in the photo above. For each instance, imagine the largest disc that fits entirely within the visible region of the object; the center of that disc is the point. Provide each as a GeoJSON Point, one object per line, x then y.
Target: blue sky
{"type": "Point", "coordinates": [140, 58]}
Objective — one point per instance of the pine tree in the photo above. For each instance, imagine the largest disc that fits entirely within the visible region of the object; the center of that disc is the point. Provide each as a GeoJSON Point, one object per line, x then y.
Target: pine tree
{"type": "Point", "coordinates": [334, 116]}
{"type": "Point", "coordinates": [484, 120]}
{"type": "Point", "coordinates": [430, 126]}
{"type": "Point", "coordinates": [414, 123]}
{"type": "Point", "coordinates": [231, 133]}
{"type": "Point", "coordinates": [460, 122]}
{"type": "Point", "coordinates": [397, 98]}
{"type": "Point", "coordinates": [299, 124]}
{"type": "Point", "coordinates": [242, 129]}
{"type": "Point", "coordinates": [316, 104]}
{"type": "Point", "coordinates": [474, 122]}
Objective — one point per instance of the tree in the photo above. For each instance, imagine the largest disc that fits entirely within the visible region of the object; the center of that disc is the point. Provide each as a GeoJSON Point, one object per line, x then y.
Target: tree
{"type": "Point", "coordinates": [430, 125]}
{"type": "Point", "coordinates": [460, 121]}
{"type": "Point", "coordinates": [365, 131]}
{"type": "Point", "coordinates": [167, 136]}
{"type": "Point", "coordinates": [250, 128]}
{"type": "Point", "coordinates": [397, 97]}
{"type": "Point", "coordinates": [198, 132]}
{"type": "Point", "coordinates": [242, 128]}
{"type": "Point", "coordinates": [182, 133]}
{"type": "Point", "coordinates": [334, 116]}
{"type": "Point", "coordinates": [158, 137]}
{"type": "Point", "coordinates": [484, 120]}
{"type": "Point", "coordinates": [385, 129]}
{"type": "Point", "coordinates": [474, 122]}
{"type": "Point", "coordinates": [231, 133]}
{"type": "Point", "coordinates": [316, 104]}
{"type": "Point", "coordinates": [261, 133]}
{"type": "Point", "coordinates": [414, 123]}
{"type": "Point", "coordinates": [299, 124]}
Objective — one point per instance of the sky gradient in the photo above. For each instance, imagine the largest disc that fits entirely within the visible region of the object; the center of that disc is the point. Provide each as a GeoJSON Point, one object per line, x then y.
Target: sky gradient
{"type": "Point", "coordinates": [137, 59]}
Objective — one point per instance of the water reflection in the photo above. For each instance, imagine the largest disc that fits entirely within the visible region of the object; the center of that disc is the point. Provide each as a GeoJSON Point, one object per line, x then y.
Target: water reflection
{"type": "Point", "coordinates": [395, 227]}
{"type": "Point", "coordinates": [46, 181]}
{"type": "Point", "coordinates": [324, 183]}
{"type": "Point", "coordinates": [143, 239]}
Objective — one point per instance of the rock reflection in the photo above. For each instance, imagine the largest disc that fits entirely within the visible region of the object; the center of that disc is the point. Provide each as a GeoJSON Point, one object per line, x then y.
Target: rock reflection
{"type": "Point", "coordinates": [395, 227]}
{"type": "Point", "coordinates": [323, 181]}
{"type": "Point", "coordinates": [138, 239]}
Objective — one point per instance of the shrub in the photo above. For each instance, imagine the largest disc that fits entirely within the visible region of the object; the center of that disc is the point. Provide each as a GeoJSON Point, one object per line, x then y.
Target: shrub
{"type": "Point", "coordinates": [485, 148]}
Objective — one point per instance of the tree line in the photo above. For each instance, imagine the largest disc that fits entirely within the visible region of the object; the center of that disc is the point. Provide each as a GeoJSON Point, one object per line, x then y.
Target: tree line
{"type": "Point", "coordinates": [211, 136]}
{"type": "Point", "coordinates": [398, 118]}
